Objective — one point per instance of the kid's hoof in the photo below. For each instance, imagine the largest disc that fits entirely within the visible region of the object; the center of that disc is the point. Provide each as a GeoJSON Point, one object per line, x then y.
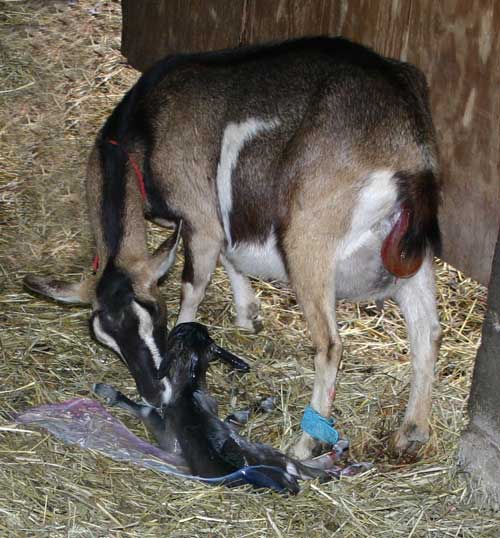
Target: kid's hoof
{"type": "Point", "coordinates": [106, 392]}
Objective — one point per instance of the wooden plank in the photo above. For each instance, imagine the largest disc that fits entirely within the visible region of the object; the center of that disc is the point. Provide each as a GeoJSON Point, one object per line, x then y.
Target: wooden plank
{"type": "Point", "coordinates": [152, 28]}
{"type": "Point", "coordinates": [479, 444]}
{"type": "Point", "coordinates": [377, 24]}
{"type": "Point", "coordinates": [361, 20]}
{"type": "Point", "coordinates": [269, 20]}
{"type": "Point", "coordinates": [457, 44]}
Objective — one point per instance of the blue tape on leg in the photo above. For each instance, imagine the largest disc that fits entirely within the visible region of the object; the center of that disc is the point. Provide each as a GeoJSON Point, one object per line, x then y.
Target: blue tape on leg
{"type": "Point", "coordinates": [319, 427]}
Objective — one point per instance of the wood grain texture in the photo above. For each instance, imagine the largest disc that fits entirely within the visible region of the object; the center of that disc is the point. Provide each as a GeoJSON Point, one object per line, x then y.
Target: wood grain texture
{"type": "Point", "coordinates": [269, 20]}
{"type": "Point", "coordinates": [455, 42]}
{"type": "Point", "coordinates": [378, 24]}
{"type": "Point", "coordinates": [154, 28]}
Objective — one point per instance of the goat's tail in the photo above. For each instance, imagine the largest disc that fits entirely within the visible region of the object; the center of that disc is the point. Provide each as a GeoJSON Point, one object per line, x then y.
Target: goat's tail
{"type": "Point", "coordinates": [417, 229]}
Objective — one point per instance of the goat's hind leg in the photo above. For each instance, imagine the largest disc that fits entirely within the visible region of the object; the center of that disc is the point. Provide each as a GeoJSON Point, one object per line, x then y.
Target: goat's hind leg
{"type": "Point", "coordinates": [312, 277]}
{"type": "Point", "coordinates": [416, 298]}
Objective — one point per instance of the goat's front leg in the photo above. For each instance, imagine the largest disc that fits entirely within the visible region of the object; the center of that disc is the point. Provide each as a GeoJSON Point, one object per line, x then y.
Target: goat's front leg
{"type": "Point", "coordinates": [416, 298]}
{"type": "Point", "coordinates": [201, 252]}
{"type": "Point", "coordinates": [247, 304]}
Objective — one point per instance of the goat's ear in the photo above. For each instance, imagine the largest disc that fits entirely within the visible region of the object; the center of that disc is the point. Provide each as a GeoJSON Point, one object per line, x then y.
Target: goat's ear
{"type": "Point", "coordinates": [66, 292]}
{"type": "Point", "coordinates": [235, 362]}
{"type": "Point", "coordinates": [164, 256]}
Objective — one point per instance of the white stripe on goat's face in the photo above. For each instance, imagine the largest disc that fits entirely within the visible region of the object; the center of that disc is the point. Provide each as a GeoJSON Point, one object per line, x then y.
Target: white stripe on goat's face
{"type": "Point", "coordinates": [236, 135]}
{"type": "Point", "coordinates": [146, 331]}
{"type": "Point", "coordinates": [105, 338]}
{"type": "Point", "coordinates": [136, 331]}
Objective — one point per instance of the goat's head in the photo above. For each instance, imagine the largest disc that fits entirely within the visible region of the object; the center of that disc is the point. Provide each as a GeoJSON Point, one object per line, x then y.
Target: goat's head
{"type": "Point", "coordinates": [128, 315]}
{"type": "Point", "coordinates": [189, 349]}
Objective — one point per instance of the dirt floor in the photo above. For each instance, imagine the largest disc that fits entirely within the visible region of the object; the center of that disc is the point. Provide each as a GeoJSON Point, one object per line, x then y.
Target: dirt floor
{"type": "Point", "coordinates": [61, 73]}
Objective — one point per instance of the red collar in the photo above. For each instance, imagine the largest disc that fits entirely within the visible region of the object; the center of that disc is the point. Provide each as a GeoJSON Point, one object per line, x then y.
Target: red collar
{"type": "Point", "coordinates": [137, 170]}
{"type": "Point", "coordinates": [140, 182]}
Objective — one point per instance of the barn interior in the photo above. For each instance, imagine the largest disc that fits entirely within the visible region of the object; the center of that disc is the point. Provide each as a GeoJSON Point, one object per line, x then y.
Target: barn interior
{"type": "Point", "coordinates": [61, 74]}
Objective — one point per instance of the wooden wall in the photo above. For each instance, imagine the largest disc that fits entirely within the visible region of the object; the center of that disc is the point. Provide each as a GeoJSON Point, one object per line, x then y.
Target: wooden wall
{"type": "Point", "coordinates": [455, 42]}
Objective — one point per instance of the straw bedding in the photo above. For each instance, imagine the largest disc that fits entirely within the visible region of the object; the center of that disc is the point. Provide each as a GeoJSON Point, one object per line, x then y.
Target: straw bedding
{"type": "Point", "coordinates": [61, 73]}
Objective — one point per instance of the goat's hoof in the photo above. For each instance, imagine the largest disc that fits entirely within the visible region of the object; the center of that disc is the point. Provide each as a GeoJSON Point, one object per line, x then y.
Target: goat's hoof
{"type": "Point", "coordinates": [248, 318]}
{"type": "Point", "coordinates": [408, 439]}
{"type": "Point", "coordinates": [247, 324]}
{"type": "Point", "coordinates": [108, 393]}
{"type": "Point", "coordinates": [257, 325]}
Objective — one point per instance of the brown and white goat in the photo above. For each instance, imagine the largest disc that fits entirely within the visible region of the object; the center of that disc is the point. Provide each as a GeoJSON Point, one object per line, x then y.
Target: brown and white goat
{"type": "Point", "coordinates": [311, 161]}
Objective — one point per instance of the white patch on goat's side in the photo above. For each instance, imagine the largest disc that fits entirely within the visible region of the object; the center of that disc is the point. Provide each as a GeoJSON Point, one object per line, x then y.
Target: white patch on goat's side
{"type": "Point", "coordinates": [146, 332]}
{"type": "Point", "coordinates": [234, 138]}
{"type": "Point", "coordinates": [376, 201]}
{"type": "Point", "coordinates": [262, 260]}
{"type": "Point", "coordinates": [105, 338]}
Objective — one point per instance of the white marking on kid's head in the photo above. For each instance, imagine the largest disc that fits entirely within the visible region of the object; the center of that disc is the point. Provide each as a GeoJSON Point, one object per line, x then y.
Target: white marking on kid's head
{"type": "Point", "coordinates": [146, 332]}
{"type": "Point", "coordinates": [104, 338]}
{"type": "Point", "coordinates": [234, 138]}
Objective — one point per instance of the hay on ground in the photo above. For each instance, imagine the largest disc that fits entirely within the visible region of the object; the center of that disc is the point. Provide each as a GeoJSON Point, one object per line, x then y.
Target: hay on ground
{"type": "Point", "coordinates": [61, 73]}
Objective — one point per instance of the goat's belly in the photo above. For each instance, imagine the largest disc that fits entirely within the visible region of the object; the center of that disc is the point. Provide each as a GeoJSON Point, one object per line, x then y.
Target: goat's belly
{"type": "Point", "coordinates": [360, 274]}
{"type": "Point", "coordinates": [262, 260]}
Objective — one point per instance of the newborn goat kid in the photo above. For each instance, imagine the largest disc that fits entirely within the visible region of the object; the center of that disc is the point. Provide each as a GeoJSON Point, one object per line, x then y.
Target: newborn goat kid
{"type": "Point", "coordinates": [189, 425]}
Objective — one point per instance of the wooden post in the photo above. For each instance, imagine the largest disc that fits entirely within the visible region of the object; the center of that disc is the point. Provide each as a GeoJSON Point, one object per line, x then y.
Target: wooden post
{"type": "Point", "coordinates": [479, 445]}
